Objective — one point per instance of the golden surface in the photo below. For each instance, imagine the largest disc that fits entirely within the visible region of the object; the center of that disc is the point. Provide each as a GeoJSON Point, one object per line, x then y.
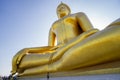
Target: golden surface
{"type": "Point", "coordinates": [78, 45]}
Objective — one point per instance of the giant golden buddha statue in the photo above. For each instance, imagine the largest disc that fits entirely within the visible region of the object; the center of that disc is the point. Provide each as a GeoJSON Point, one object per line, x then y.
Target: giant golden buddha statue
{"type": "Point", "coordinates": [78, 45]}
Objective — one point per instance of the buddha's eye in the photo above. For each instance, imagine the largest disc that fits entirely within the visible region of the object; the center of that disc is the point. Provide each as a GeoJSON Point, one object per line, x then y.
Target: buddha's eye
{"type": "Point", "coordinates": [62, 7]}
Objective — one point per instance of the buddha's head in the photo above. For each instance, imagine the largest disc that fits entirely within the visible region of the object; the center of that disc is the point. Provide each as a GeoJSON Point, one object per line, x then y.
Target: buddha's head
{"type": "Point", "coordinates": [63, 10]}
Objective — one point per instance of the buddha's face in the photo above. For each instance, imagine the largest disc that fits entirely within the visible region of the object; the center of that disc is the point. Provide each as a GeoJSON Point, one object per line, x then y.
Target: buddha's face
{"type": "Point", "coordinates": [62, 10]}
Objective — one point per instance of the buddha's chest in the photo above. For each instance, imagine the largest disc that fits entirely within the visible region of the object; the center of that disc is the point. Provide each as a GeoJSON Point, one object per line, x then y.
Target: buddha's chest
{"type": "Point", "coordinates": [68, 24]}
{"type": "Point", "coordinates": [68, 21]}
{"type": "Point", "coordinates": [66, 28]}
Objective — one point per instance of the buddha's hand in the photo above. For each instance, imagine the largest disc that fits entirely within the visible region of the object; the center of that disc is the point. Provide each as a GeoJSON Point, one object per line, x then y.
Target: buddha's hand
{"type": "Point", "coordinates": [56, 47]}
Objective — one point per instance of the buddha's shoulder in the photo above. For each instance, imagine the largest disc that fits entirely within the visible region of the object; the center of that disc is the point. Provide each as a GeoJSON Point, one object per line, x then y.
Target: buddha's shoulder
{"type": "Point", "coordinates": [69, 16]}
{"type": "Point", "coordinates": [80, 14]}
{"type": "Point", "coordinates": [65, 17]}
{"type": "Point", "coordinates": [75, 14]}
{"type": "Point", "coordinates": [57, 22]}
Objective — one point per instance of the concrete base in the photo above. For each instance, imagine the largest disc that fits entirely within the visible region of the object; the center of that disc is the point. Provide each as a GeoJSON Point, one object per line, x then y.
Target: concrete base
{"type": "Point", "coordinates": [87, 77]}
{"type": "Point", "coordinates": [107, 71]}
{"type": "Point", "coordinates": [90, 77]}
{"type": "Point", "coordinates": [102, 74]}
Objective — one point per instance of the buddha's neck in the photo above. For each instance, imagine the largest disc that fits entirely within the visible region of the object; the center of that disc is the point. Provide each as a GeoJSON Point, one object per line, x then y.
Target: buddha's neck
{"type": "Point", "coordinates": [62, 15]}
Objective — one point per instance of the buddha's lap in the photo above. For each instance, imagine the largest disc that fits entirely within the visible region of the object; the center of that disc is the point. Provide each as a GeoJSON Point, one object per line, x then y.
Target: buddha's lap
{"type": "Point", "coordinates": [101, 47]}
{"type": "Point", "coordinates": [106, 41]}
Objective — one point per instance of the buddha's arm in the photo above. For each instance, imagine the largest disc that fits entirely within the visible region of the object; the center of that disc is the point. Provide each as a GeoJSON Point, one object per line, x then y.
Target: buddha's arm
{"type": "Point", "coordinates": [46, 49]}
{"type": "Point", "coordinates": [83, 21]}
{"type": "Point", "coordinates": [51, 38]}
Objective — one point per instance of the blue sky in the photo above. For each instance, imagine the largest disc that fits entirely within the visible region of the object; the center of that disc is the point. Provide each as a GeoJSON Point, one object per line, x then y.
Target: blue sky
{"type": "Point", "coordinates": [26, 23]}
